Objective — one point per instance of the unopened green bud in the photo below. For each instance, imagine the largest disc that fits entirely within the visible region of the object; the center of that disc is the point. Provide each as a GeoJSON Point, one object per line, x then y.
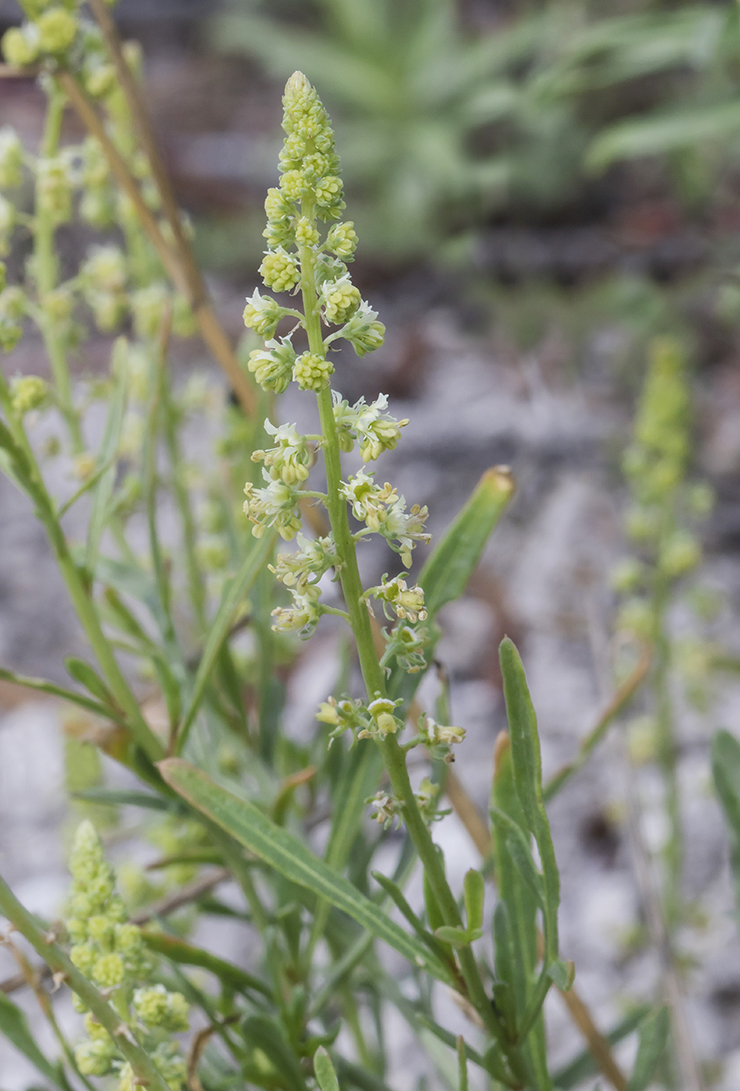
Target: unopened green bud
{"type": "Point", "coordinates": [305, 232]}
{"type": "Point", "coordinates": [84, 957]}
{"type": "Point", "coordinates": [95, 1058]}
{"type": "Point", "coordinates": [148, 308]}
{"type": "Point", "coordinates": [101, 80]}
{"type": "Point", "coordinates": [342, 240]}
{"type": "Point", "coordinates": [28, 393]}
{"type": "Point", "coordinates": [108, 971]}
{"type": "Point", "coordinates": [57, 29]}
{"type": "Point", "coordinates": [679, 555]}
{"type": "Point", "coordinates": [20, 45]}
{"type": "Point", "coordinates": [150, 1005]}
{"type": "Point", "coordinates": [312, 371]}
{"type": "Point", "coordinates": [100, 928]}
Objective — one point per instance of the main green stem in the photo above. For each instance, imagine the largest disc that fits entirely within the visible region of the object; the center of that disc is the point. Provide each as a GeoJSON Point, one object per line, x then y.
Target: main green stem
{"type": "Point", "coordinates": [372, 672]}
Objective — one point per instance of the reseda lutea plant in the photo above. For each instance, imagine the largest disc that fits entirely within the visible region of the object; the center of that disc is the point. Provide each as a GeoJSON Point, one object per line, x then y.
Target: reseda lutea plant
{"type": "Point", "coordinates": [236, 790]}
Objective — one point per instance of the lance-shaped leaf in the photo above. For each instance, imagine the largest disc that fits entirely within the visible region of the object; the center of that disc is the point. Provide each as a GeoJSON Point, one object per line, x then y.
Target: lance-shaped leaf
{"type": "Point", "coordinates": [326, 1077]}
{"type": "Point", "coordinates": [527, 769]}
{"type": "Point", "coordinates": [445, 575]}
{"type": "Point", "coordinates": [726, 772]}
{"type": "Point", "coordinates": [653, 1038]}
{"type": "Point", "coordinates": [292, 859]}
{"type": "Point", "coordinates": [14, 1025]}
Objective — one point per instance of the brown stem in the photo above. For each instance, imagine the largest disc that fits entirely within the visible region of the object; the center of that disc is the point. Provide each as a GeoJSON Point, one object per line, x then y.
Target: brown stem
{"type": "Point", "coordinates": [211, 329]}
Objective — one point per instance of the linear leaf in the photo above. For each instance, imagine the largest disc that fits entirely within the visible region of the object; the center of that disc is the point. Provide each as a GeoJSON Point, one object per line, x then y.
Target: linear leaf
{"type": "Point", "coordinates": [527, 767]}
{"type": "Point", "coordinates": [653, 1038]}
{"type": "Point", "coordinates": [126, 797]}
{"type": "Point", "coordinates": [726, 773]}
{"type": "Point", "coordinates": [14, 1025]}
{"type": "Point", "coordinates": [449, 567]}
{"type": "Point", "coordinates": [326, 1077]}
{"type": "Point", "coordinates": [231, 599]}
{"type": "Point", "coordinates": [42, 686]}
{"type": "Point", "coordinates": [292, 859]}
{"type": "Point", "coordinates": [107, 453]}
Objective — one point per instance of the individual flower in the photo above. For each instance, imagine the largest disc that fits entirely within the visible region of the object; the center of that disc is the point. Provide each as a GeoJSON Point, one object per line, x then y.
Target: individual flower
{"type": "Point", "coordinates": [343, 715]}
{"type": "Point", "coordinates": [273, 365]}
{"type": "Point", "coordinates": [406, 602]}
{"type": "Point", "coordinates": [306, 566]}
{"type": "Point", "coordinates": [273, 506]}
{"type": "Point", "coordinates": [304, 613]}
{"type": "Point", "coordinates": [383, 721]}
{"type": "Point", "coordinates": [433, 734]}
{"type": "Point", "coordinates": [262, 314]}
{"type": "Point", "coordinates": [363, 331]}
{"type": "Point", "coordinates": [342, 240]}
{"type": "Point", "coordinates": [340, 299]}
{"type": "Point", "coordinates": [289, 460]}
{"type": "Point", "coordinates": [384, 809]}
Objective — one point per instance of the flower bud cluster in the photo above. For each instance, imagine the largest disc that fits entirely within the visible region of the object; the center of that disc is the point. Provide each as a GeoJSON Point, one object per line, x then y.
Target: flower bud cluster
{"type": "Point", "coordinates": [384, 512]}
{"type": "Point", "coordinates": [103, 278]}
{"type": "Point", "coordinates": [110, 951]}
{"type": "Point", "coordinates": [406, 646]}
{"type": "Point", "coordinates": [28, 393]}
{"type": "Point", "coordinates": [374, 429]}
{"type": "Point", "coordinates": [344, 715]}
{"type": "Point", "coordinates": [12, 310]}
{"type": "Point", "coordinates": [272, 366]}
{"type": "Point", "coordinates": [303, 615]}
{"type": "Point", "coordinates": [437, 739]}
{"type": "Point", "coordinates": [655, 465]}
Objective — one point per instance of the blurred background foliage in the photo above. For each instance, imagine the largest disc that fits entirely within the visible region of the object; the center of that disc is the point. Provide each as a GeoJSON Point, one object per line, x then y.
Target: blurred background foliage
{"type": "Point", "coordinates": [452, 115]}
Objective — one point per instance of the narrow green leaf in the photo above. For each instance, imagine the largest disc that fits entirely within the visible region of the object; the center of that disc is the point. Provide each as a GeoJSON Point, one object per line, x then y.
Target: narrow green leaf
{"type": "Point", "coordinates": [462, 1063]}
{"type": "Point", "coordinates": [231, 600]}
{"type": "Point", "coordinates": [107, 453]}
{"type": "Point", "coordinates": [292, 859]}
{"type": "Point", "coordinates": [127, 797]}
{"type": "Point", "coordinates": [726, 773]}
{"type": "Point", "coordinates": [188, 955]}
{"type": "Point", "coordinates": [521, 854]}
{"type": "Point", "coordinates": [326, 1077]}
{"type": "Point", "coordinates": [475, 892]}
{"type": "Point", "coordinates": [527, 766]}
{"type": "Point", "coordinates": [515, 933]}
{"type": "Point", "coordinates": [14, 1025]}
{"type": "Point", "coordinates": [393, 891]}
{"type": "Point", "coordinates": [653, 1039]}
{"type": "Point", "coordinates": [445, 575]}
{"type": "Point", "coordinates": [86, 675]}
{"type": "Point", "coordinates": [42, 686]}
